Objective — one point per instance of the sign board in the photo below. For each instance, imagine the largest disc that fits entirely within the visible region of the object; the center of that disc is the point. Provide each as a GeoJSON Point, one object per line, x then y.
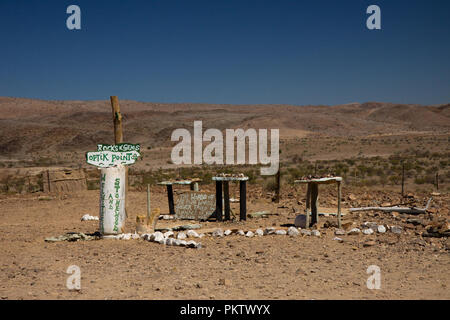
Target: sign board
{"type": "Point", "coordinates": [194, 205]}
{"type": "Point", "coordinates": [110, 155]}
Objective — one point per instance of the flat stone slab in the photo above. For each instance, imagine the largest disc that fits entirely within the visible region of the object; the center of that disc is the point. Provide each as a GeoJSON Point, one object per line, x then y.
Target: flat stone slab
{"type": "Point", "coordinates": [230, 178]}
{"type": "Point", "coordinates": [320, 180]}
{"type": "Point", "coordinates": [182, 182]}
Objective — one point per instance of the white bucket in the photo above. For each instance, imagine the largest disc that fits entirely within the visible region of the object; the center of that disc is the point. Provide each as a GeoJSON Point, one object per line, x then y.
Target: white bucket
{"type": "Point", "coordinates": [112, 200]}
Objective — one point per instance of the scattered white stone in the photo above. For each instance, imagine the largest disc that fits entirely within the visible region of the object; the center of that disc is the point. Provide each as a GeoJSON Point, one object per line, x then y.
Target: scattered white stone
{"type": "Point", "coordinates": [270, 230]}
{"type": "Point", "coordinates": [157, 237]}
{"type": "Point", "coordinates": [191, 244]}
{"type": "Point", "coordinates": [192, 234]}
{"type": "Point", "coordinates": [259, 232]}
{"type": "Point", "coordinates": [88, 217]}
{"type": "Point", "coordinates": [354, 231]}
{"type": "Point", "coordinates": [305, 232]}
{"type": "Point", "coordinates": [167, 217]}
{"type": "Point", "coordinates": [396, 229]}
{"type": "Point", "coordinates": [292, 231]}
{"type": "Point", "coordinates": [168, 241]}
{"type": "Point", "coordinates": [176, 242]}
{"type": "Point", "coordinates": [201, 235]}
{"type": "Point", "coordinates": [315, 233]}
{"type": "Point", "coordinates": [367, 231]}
{"type": "Point", "coordinates": [281, 232]}
{"type": "Point", "coordinates": [371, 225]}
{"type": "Point", "coordinates": [181, 236]}
{"type": "Point", "coordinates": [168, 234]}
{"type": "Point", "coordinates": [300, 221]}
{"type": "Point", "coordinates": [135, 236]}
{"type": "Point", "coordinates": [339, 232]}
{"type": "Point", "coordinates": [126, 236]}
{"type": "Point", "coordinates": [183, 243]}
{"type": "Point", "coordinates": [249, 234]}
{"type": "Point", "coordinates": [227, 232]}
{"type": "Point", "coordinates": [241, 233]}
{"type": "Point", "coordinates": [217, 233]}
{"type": "Point", "coordinates": [381, 229]}
{"type": "Point", "coordinates": [338, 239]}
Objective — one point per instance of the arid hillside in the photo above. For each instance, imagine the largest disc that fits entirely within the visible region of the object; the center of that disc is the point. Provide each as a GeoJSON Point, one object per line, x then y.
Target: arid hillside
{"type": "Point", "coordinates": [39, 127]}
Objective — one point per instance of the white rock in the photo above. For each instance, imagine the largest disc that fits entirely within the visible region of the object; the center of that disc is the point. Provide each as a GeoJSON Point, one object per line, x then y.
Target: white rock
{"type": "Point", "coordinates": [217, 233]}
{"type": "Point", "coordinates": [396, 230]}
{"type": "Point", "coordinates": [241, 233]}
{"type": "Point", "coordinates": [191, 244]}
{"type": "Point", "coordinates": [338, 239]}
{"type": "Point", "coordinates": [192, 234]}
{"type": "Point", "coordinates": [292, 231]}
{"type": "Point", "coordinates": [157, 237]}
{"type": "Point", "coordinates": [227, 232]}
{"type": "Point", "coordinates": [354, 231]}
{"type": "Point", "coordinates": [315, 233]}
{"type": "Point", "coordinates": [249, 234]}
{"type": "Point", "coordinates": [259, 232]}
{"type": "Point", "coordinates": [135, 236]}
{"type": "Point", "coordinates": [300, 221]}
{"type": "Point", "coordinates": [381, 229]}
{"type": "Point", "coordinates": [201, 235]}
{"type": "Point", "coordinates": [270, 230]}
{"type": "Point", "coordinates": [371, 225]}
{"type": "Point", "coordinates": [367, 231]}
{"type": "Point", "coordinates": [305, 232]}
{"type": "Point", "coordinates": [198, 246]}
{"type": "Point", "coordinates": [183, 243]}
{"type": "Point", "coordinates": [126, 236]}
{"type": "Point", "coordinates": [339, 232]}
{"type": "Point", "coordinates": [168, 234]}
{"type": "Point", "coordinates": [281, 232]}
{"type": "Point", "coordinates": [181, 236]}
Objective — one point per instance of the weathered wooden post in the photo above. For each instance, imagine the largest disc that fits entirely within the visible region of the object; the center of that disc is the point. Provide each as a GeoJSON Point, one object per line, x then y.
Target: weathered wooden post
{"type": "Point", "coordinates": [437, 180]}
{"type": "Point", "coordinates": [403, 179]}
{"type": "Point", "coordinates": [314, 203]}
{"type": "Point", "coordinates": [118, 138]}
{"type": "Point", "coordinates": [243, 200]}
{"type": "Point", "coordinates": [278, 186]}
{"type": "Point", "coordinates": [148, 202]}
{"type": "Point", "coordinates": [219, 200]}
{"type": "Point", "coordinates": [226, 195]}
{"type": "Point", "coordinates": [308, 205]}
{"type": "Point", "coordinates": [339, 203]}
{"type": "Point", "coordinates": [170, 198]}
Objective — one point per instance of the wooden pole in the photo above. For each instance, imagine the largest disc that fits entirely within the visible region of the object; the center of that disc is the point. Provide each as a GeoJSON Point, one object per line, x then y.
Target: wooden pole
{"type": "Point", "coordinates": [148, 203]}
{"type": "Point", "coordinates": [314, 203]}
{"type": "Point", "coordinates": [219, 200]}
{"type": "Point", "coordinates": [226, 196]}
{"type": "Point", "coordinates": [437, 180]}
{"type": "Point", "coordinates": [243, 200]}
{"type": "Point", "coordinates": [339, 204]}
{"type": "Point", "coordinates": [308, 204]}
{"type": "Point", "coordinates": [403, 179]}
{"type": "Point", "coordinates": [118, 138]}
{"type": "Point", "coordinates": [170, 199]}
{"type": "Point", "coordinates": [278, 184]}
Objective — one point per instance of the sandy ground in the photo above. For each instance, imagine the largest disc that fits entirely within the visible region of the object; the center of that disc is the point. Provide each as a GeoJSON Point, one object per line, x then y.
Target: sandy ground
{"type": "Point", "coordinates": [233, 267]}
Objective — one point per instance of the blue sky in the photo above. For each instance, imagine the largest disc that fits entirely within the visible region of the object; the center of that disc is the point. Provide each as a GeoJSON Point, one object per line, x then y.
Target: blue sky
{"type": "Point", "coordinates": [226, 51]}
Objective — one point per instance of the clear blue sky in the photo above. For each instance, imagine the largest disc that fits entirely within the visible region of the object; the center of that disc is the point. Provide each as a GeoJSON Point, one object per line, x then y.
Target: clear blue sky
{"type": "Point", "coordinates": [227, 51]}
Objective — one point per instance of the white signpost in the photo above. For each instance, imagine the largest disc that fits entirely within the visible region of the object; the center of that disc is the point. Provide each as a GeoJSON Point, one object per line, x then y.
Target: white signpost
{"type": "Point", "coordinates": [111, 159]}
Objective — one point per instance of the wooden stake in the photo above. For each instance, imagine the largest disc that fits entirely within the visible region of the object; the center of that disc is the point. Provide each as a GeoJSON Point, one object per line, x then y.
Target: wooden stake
{"type": "Point", "coordinates": [243, 200]}
{"type": "Point", "coordinates": [314, 203]}
{"type": "Point", "coordinates": [226, 196]}
{"type": "Point", "coordinates": [437, 180]}
{"type": "Point", "coordinates": [118, 138]}
{"type": "Point", "coordinates": [148, 202]}
{"type": "Point", "coordinates": [339, 203]}
{"type": "Point", "coordinates": [308, 204]}
{"type": "Point", "coordinates": [219, 200]}
{"type": "Point", "coordinates": [278, 184]}
{"type": "Point", "coordinates": [403, 179]}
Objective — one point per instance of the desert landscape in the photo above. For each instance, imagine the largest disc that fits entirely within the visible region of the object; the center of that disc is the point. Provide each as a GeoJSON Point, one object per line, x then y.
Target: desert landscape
{"type": "Point", "coordinates": [375, 147]}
